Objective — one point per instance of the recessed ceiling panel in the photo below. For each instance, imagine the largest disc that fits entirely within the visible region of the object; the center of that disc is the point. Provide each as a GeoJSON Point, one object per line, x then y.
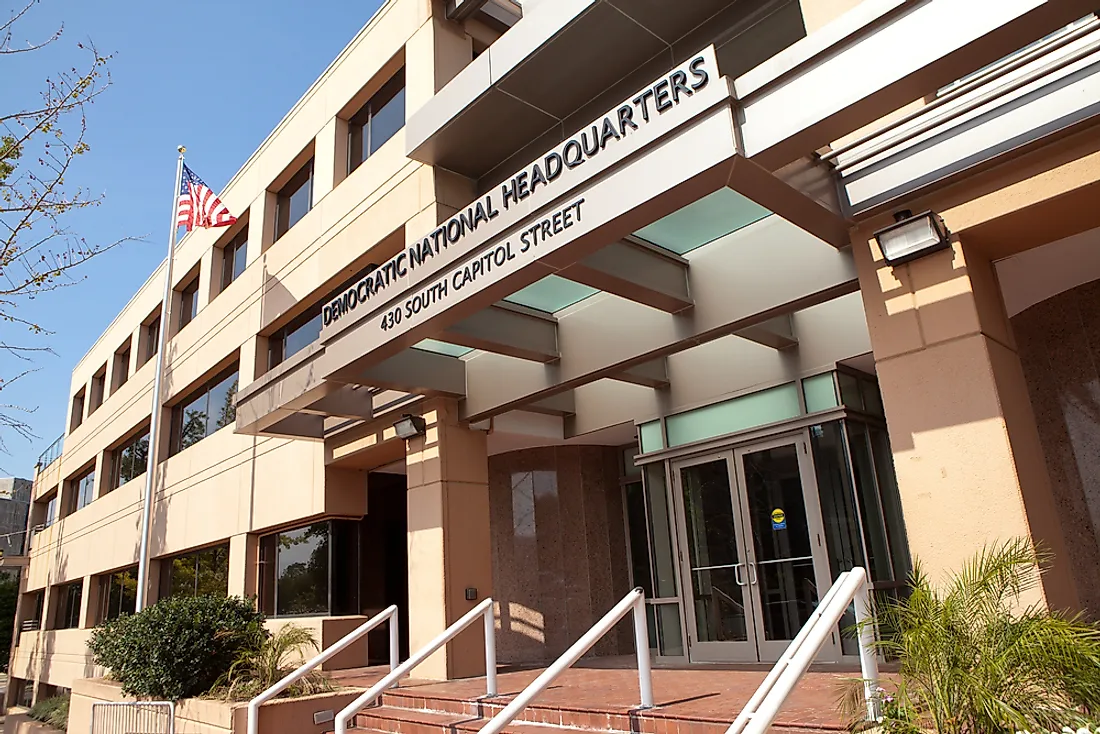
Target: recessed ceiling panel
{"type": "Point", "coordinates": [703, 221]}
{"type": "Point", "coordinates": [551, 294]}
{"type": "Point", "coordinates": [451, 350]}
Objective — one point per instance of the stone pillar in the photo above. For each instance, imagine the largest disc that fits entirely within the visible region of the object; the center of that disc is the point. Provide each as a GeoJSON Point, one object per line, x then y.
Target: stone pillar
{"type": "Point", "coordinates": [448, 536]}
{"type": "Point", "coordinates": [969, 464]}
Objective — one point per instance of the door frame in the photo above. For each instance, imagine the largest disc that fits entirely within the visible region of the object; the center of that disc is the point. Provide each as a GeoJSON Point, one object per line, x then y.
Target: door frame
{"type": "Point", "coordinates": [756, 648]}
{"type": "Point", "coordinates": [772, 650]}
{"type": "Point", "coordinates": [711, 652]}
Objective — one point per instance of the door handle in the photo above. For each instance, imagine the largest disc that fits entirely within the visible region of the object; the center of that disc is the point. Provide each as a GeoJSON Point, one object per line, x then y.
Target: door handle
{"type": "Point", "coordinates": [753, 579]}
{"type": "Point", "coordinates": [737, 575]}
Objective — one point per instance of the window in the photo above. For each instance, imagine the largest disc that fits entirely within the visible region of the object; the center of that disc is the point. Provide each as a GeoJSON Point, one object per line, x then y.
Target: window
{"type": "Point", "coordinates": [294, 337]}
{"type": "Point", "coordinates": [117, 594]}
{"type": "Point", "coordinates": [99, 381]}
{"type": "Point", "coordinates": [234, 256]}
{"type": "Point", "coordinates": [205, 411]}
{"type": "Point", "coordinates": [45, 511]}
{"type": "Point", "coordinates": [295, 200]}
{"type": "Point", "coordinates": [78, 410]}
{"type": "Point", "coordinates": [200, 573]}
{"type": "Point", "coordinates": [378, 120]}
{"type": "Point", "coordinates": [121, 369]}
{"type": "Point", "coordinates": [68, 598]}
{"type": "Point", "coordinates": [311, 571]}
{"type": "Point", "coordinates": [83, 491]}
{"type": "Point", "coordinates": [32, 606]}
{"type": "Point", "coordinates": [152, 339]}
{"type": "Point", "coordinates": [130, 460]}
{"type": "Point", "coordinates": [189, 303]}
{"type": "Point", "coordinates": [652, 555]}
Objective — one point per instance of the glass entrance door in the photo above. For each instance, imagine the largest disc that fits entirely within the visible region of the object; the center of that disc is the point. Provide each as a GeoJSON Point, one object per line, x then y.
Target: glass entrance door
{"type": "Point", "coordinates": [754, 557]}
{"type": "Point", "coordinates": [719, 613]}
{"type": "Point", "coordinates": [788, 568]}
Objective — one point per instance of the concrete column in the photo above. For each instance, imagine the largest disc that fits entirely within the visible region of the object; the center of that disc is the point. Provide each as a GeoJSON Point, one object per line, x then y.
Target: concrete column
{"type": "Point", "coordinates": [253, 361]}
{"type": "Point", "coordinates": [89, 602]}
{"type": "Point", "coordinates": [209, 277]}
{"type": "Point", "coordinates": [966, 449]}
{"type": "Point", "coordinates": [243, 564]}
{"type": "Point", "coordinates": [102, 473]}
{"type": "Point", "coordinates": [261, 225]}
{"type": "Point", "coordinates": [433, 55]}
{"type": "Point", "coordinates": [330, 158]}
{"type": "Point", "coordinates": [448, 536]}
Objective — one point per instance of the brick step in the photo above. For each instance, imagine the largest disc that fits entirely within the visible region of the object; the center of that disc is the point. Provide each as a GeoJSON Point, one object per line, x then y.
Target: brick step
{"type": "Point", "coordinates": [621, 719]}
{"type": "Point", "coordinates": [407, 721]}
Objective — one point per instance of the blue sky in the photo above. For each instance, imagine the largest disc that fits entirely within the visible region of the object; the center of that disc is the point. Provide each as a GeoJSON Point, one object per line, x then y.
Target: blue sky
{"type": "Point", "coordinates": [214, 76]}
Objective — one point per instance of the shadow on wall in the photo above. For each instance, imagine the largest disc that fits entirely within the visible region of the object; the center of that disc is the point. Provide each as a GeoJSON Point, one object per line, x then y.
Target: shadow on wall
{"type": "Point", "coordinates": [559, 550]}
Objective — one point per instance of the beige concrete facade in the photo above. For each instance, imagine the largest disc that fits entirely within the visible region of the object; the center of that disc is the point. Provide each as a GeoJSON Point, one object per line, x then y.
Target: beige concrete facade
{"type": "Point", "coordinates": [668, 358]}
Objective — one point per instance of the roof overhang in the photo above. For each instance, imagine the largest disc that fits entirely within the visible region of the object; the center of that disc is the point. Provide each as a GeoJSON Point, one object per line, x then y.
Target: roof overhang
{"type": "Point", "coordinates": [594, 193]}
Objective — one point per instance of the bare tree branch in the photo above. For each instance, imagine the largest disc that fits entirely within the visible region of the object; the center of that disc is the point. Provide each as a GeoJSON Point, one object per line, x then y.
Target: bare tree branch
{"type": "Point", "coordinates": [39, 146]}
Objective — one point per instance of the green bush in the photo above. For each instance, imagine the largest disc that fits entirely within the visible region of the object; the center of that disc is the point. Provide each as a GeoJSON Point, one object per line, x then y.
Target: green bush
{"type": "Point", "coordinates": [258, 669]}
{"type": "Point", "coordinates": [179, 647]}
{"type": "Point", "coordinates": [53, 711]}
{"type": "Point", "coordinates": [974, 658]}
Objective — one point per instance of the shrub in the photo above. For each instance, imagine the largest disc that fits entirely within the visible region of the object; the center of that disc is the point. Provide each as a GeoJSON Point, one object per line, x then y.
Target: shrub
{"type": "Point", "coordinates": [53, 711]}
{"type": "Point", "coordinates": [179, 647]}
{"type": "Point", "coordinates": [258, 669]}
{"type": "Point", "coordinates": [973, 659]}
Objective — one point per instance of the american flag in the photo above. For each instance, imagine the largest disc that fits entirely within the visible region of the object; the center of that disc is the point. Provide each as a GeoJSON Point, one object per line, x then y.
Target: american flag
{"type": "Point", "coordinates": [199, 205]}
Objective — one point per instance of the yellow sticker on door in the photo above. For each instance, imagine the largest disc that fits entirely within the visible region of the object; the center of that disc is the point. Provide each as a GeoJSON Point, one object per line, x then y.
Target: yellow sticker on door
{"type": "Point", "coordinates": [779, 519]}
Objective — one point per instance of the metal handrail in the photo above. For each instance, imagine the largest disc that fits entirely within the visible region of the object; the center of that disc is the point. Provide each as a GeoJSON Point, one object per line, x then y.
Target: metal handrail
{"type": "Point", "coordinates": [634, 601]}
{"type": "Point", "coordinates": [389, 613]}
{"type": "Point", "coordinates": [52, 453]}
{"type": "Point", "coordinates": [763, 707]}
{"type": "Point", "coordinates": [484, 609]}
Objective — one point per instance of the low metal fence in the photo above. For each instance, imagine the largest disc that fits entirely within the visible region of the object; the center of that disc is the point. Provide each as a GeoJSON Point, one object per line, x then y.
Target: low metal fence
{"type": "Point", "coordinates": [134, 717]}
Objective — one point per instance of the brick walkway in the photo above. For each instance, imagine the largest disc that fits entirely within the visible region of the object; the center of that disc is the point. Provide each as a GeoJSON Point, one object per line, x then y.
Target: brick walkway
{"type": "Point", "coordinates": [695, 700]}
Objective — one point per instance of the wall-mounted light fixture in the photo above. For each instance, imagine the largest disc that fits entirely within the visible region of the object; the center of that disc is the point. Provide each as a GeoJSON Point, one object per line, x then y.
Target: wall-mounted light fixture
{"type": "Point", "coordinates": [409, 426]}
{"type": "Point", "coordinates": [911, 236]}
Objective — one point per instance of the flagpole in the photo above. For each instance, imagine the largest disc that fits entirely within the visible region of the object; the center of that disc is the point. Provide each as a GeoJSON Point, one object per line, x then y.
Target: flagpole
{"type": "Point", "coordinates": [154, 420]}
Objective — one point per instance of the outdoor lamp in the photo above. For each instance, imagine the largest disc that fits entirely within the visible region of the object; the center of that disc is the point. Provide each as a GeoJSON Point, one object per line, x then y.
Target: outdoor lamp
{"type": "Point", "coordinates": [911, 237]}
{"type": "Point", "coordinates": [409, 426]}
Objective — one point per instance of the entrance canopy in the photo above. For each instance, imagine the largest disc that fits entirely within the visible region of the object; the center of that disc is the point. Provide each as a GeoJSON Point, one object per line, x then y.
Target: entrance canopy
{"type": "Point", "coordinates": [644, 234]}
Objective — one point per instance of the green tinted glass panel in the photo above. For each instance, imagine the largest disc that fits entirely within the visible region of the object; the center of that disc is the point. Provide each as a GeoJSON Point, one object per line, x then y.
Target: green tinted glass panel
{"type": "Point", "coordinates": [748, 411]}
{"type": "Point", "coordinates": [849, 390]}
{"type": "Point", "coordinates": [703, 221]}
{"type": "Point", "coordinates": [820, 392]}
{"type": "Point", "coordinates": [551, 294]}
{"type": "Point", "coordinates": [649, 435]}
{"type": "Point", "coordinates": [451, 350]}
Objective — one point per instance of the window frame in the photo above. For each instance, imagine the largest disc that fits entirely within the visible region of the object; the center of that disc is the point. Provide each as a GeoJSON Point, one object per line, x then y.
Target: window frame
{"type": "Point", "coordinates": [234, 252]}
{"type": "Point", "coordinates": [197, 554]}
{"type": "Point", "coordinates": [152, 336]}
{"type": "Point", "coordinates": [116, 459]}
{"type": "Point", "coordinates": [67, 615]}
{"type": "Point", "coordinates": [361, 125]}
{"type": "Point", "coordinates": [276, 343]}
{"type": "Point", "coordinates": [176, 442]}
{"type": "Point", "coordinates": [283, 198]}
{"type": "Point", "coordinates": [121, 371]}
{"type": "Point", "coordinates": [268, 578]}
{"type": "Point", "coordinates": [82, 495]}
{"type": "Point", "coordinates": [105, 584]}
{"type": "Point", "coordinates": [189, 303]}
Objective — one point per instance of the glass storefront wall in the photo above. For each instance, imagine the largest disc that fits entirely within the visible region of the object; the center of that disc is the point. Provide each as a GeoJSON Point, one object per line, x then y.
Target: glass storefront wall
{"type": "Point", "coordinates": [311, 571]}
{"type": "Point", "coordinates": [860, 515]}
